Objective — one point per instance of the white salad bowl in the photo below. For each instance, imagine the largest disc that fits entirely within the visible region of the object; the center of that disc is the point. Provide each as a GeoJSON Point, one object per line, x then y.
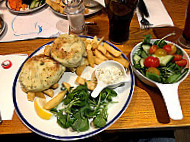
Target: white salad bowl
{"type": "Point", "coordinates": [169, 91]}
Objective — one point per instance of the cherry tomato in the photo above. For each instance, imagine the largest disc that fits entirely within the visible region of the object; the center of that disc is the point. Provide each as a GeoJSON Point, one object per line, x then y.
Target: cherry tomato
{"type": "Point", "coordinates": [160, 52]}
{"type": "Point", "coordinates": [167, 48]}
{"type": "Point", "coordinates": [6, 64]}
{"type": "Point", "coordinates": [153, 70]}
{"type": "Point", "coordinates": [153, 49]}
{"type": "Point", "coordinates": [151, 62]}
{"type": "Point", "coordinates": [174, 49]}
{"type": "Point", "coordinates": [181, 63]}
{"type": "Point", "coordinates": [177, 57]}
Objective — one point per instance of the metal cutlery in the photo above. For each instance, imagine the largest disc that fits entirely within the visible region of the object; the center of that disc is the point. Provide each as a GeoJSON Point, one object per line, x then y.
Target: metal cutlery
{"type": "Point", "coordinates": [143, 9]}
{"type": "Point", "coordinates": [0, 118]}
{"type": "Point", "coordinates": [146, 24]}
{"type": "Point", "coordinates": [144, 12]}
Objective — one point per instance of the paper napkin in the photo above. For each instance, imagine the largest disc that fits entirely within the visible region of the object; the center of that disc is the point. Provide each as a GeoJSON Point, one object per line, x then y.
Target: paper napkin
{"type": "Point", "coordinates": [101, 2]}
{"type": "Point", "coordinates": [7, 77]}
{"type": "Point", "coordinates": [159, 16]}
{"type": "Point", "coordinates": [40, 24]}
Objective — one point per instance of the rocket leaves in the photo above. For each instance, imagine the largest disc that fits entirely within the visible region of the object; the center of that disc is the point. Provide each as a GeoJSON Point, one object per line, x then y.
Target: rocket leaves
{"type": "Point", "coordinates": [80, 108]}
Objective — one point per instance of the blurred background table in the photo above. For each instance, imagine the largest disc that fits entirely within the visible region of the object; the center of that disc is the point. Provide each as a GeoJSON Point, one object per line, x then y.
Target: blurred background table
{"type": "Point", "coordinates": [146, 109]}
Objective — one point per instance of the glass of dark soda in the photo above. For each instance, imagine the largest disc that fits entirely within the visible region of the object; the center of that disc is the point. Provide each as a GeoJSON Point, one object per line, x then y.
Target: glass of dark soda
{"type": "Point", "coordinates": [184, 40]}
{"type": "Point", "coordinates": [120, 13]}
{"type": "Point", "coordinates": [186, 31]}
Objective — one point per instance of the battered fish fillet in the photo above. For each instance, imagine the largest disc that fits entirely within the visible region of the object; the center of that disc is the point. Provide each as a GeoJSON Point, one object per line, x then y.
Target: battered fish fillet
{"type": "Point", "coordinates": [68, 50]}
{"type": "Point", "coordinates": [40, 73]}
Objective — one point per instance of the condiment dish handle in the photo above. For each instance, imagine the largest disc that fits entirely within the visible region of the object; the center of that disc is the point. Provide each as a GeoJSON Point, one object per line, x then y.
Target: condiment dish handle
{"type": "Point", "coordinates": [170, 95]}
{"type": "Point", "coordinates": [97, 90]}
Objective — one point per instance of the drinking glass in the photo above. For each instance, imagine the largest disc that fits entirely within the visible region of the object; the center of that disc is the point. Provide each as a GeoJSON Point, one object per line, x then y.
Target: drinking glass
{"type": "Point", "coordinates": [120, 13]}
{"type": "Point", "coordinates": [90, 3]}
{"type": "Point", "coordinates": [184, 39]}
{"type": "Point", "coordinates": [75, 14]}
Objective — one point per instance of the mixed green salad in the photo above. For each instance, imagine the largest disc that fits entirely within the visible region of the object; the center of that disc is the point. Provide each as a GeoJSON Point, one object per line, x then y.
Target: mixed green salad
{"type": "Point", "coordinates": [160, 61]}
{"type": "Point", "coordinates": [80, 108]}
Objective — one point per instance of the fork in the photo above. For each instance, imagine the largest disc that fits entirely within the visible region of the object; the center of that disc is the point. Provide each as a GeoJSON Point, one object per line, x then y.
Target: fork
{"type": "Point", "coordinates": [146, 24]}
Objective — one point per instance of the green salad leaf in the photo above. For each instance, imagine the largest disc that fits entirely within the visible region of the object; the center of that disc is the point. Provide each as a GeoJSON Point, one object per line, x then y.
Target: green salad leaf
{"type": "Point", "coordinates": [147, 39]}
{"type": "Point", "coordinates": [80, 107]}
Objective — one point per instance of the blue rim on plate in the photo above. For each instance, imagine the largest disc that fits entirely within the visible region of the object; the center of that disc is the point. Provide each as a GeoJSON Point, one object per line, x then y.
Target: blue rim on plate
{"type": "Point", "coordinates": [79, 136]}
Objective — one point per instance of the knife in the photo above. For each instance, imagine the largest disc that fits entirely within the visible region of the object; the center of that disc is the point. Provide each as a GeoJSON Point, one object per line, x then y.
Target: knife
{"type": "Point", "coordinates": [142, 8]}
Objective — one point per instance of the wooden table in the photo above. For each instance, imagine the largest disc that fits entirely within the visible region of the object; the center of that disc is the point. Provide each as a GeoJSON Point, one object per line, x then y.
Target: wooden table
{"type": "Point", "coordinates": [147, 108]}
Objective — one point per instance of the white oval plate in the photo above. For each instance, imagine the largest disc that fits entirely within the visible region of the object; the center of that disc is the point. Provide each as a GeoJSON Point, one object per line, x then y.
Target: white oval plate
{"type": "Point", "coordinates": [25, 11]}
{"type": "Point", "coordinates": [3, 26]}
{"type": "Point", "coordinates": [50, 128]}
{"type": "Point", "coordinates": [91, 11]}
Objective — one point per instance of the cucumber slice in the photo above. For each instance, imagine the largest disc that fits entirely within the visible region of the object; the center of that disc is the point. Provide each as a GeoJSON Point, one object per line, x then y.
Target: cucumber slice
{"type": "Point", "coordinates": [142, 63]}
{"type": "Point", "coordinates": [146, 48]}
{"type": "Point", "coordinates": [136, 59]}
{"type": "Point", "coordinates": [32, 5]}
{"type": "Point", "coordinates": [144, 54]}
{"type": "Point", "coordinates": [37, 4]}
{"type": "Point", "coordinates": [164, 60]}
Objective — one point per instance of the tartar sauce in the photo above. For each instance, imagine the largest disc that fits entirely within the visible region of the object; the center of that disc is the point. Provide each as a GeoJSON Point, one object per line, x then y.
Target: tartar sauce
{"type": "Point", "coordinates": [109, 74]}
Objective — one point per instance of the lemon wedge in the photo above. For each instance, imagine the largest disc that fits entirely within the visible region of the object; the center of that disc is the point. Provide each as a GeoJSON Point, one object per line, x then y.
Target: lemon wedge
{"type": "Point", "coordinates": [42, 113]}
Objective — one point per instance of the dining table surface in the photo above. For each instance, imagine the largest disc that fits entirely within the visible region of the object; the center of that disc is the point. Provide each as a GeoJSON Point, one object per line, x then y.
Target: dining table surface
{"type": "Point", "coordinates": [147, 109]}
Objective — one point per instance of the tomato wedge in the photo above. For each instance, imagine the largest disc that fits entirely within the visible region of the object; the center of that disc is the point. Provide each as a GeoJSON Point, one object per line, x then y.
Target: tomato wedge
{"type": "Point", "coordinates": [153, 49]}
{"type": "Point", "coordinates": [151, 61]}
{"type": "Point", "coordinates": [177, 57]}
{"type": "Point", "coordinates": [181, 63]}
{"type": "Point", "coordinates": [160, 52]}
{"type": "Point", "coordinates": [167, 48]}
{"type": "Point", "coordinates": [153, 70]}
{"type": "Point", "coordinates": [174, 49]}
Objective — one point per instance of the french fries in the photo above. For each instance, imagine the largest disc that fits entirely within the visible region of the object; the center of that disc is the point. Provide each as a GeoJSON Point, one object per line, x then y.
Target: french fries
{"type": "Point", "coordinates": [97, 52]}
{"type": "Point", "coordinates": [30, 96]}
{"type": "Point", "coordinates": [49, 92]}
{"type": "Point", "coordinates": [55, 101]}
{"type": "Point", "coordinates": [80, 80]}
{"type": "Point", "coordinates": [66, 85]}
{"type": "Point", "coordinates": [98, 60]}
{"type": "Point", "coordinates": [55, 86]}
{"type": "Point", "coordinates": [90, 57]}
{"type": "Point", "coordinates": [122, 61]}
{"type": "Point", "coordinates": [40, 95]}
{"type": "Point", "coordinates": [80, 69]}
{"type": "Point", "coordinates": [57, 6]}
{"type": "Point", "coordinates": [90, 84]}
{"type": "Point", "coordinates": [111, 50]}
{"type": "Point", "coordinates": [99, 55]}
{"type": "Point", "coordinates": [47, 50]}
{"type": "Point", "coordinates": [102, 49]}
{"type": "Point", "coordinates": [109, 56]}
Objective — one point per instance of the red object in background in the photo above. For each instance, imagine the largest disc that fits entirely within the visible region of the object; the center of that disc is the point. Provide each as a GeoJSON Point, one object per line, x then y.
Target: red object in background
{"type": "Point", "coordinates": [186, 32]}
{"type": "Point", "coordinates": [6, 64]}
